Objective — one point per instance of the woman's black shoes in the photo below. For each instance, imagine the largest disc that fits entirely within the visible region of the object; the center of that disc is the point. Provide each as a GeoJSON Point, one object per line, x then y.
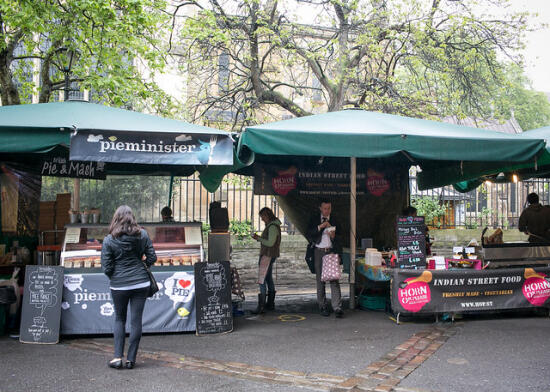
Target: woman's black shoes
{"type": "Point", "coordinates": [115, 363]}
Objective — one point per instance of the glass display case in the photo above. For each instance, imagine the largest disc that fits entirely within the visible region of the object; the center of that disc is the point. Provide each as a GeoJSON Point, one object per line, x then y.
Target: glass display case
{"type": "Point", "coordinates": [175, 243]}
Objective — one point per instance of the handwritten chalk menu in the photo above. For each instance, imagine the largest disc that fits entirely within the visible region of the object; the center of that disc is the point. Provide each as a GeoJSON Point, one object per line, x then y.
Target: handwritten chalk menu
{"type": "Point", "coordinates": [59, 166]}
{"type": "Point", "coordinates": [411, 242]}
{"type": "Point", "coordinates": [41, 314]}
{"type": "Point", "coordinates": [214, 312]}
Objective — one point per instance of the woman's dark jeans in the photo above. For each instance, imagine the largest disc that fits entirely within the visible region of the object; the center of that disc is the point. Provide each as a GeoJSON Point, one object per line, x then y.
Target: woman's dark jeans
{"type": "Point", "coordinates": [121, 298]}
{"type": "Point", "coordinates": [268, 281]}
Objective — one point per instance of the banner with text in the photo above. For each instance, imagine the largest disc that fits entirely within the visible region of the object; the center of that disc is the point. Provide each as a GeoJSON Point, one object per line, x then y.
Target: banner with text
{"type": "Point", "coordinates": [88, 308]}
{"type": "Point", "coordinates": [152, 148]}
{"type": "Point", "coordinates": [61, 166]}
{"type": "Point", "coordinates": [435, 291]}
{"type": "Point", "coordinates": [278, 180]}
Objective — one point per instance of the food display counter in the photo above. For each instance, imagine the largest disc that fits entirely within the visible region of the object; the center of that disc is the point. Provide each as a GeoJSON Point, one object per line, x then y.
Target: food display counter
{"type": "Point", "coordinates": [87, 307]}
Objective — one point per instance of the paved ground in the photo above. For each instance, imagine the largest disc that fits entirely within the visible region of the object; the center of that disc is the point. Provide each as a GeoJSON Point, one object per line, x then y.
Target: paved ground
{"type": "Point", "coordinates": [279, 351]}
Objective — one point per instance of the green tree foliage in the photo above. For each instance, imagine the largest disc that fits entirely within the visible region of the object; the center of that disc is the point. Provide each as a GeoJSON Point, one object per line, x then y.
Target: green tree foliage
{"type": "Point", "coordinates": [112, 41]}
{"type": "Point", "coordinates": [517, 98]}
{"type": "Point", "coordinates": [429, 208]}
{"type": "Point", "coordinates": [418, 58]}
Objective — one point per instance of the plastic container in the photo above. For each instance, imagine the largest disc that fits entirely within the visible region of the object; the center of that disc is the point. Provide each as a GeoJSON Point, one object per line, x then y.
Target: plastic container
{"type": "Point", "coordinates": [373, 257]}
{"type": "Point", "coordinates": [372, 302]}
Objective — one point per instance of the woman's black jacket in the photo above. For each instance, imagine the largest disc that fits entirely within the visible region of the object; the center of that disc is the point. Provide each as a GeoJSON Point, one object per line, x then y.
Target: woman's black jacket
{"type": "Point", "coordinates": [121, 258]}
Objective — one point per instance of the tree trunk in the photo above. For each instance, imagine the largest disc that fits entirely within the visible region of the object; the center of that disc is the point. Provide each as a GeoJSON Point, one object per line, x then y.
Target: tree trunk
{"type": "Point", "coordinates": [9, 93]}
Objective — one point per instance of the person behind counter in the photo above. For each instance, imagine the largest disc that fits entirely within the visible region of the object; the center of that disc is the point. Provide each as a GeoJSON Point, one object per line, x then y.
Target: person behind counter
{"type": "Point", "coordinates": [166, 214]}
{"type": "Point", "coordinates": [121, 255]}
{"type": "Point", "coordinates": [270, 241]}
{"type": "Point", "coordinates": [535, 220]}
{"type": "Point", "coordinates": [326, 242]}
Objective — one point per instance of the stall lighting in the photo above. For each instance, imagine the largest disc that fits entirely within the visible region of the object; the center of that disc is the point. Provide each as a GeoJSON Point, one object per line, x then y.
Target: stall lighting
{"type": "Point", "coordinates": [515, 178]}
{"type": "Point", "coordinates": [488, 182]}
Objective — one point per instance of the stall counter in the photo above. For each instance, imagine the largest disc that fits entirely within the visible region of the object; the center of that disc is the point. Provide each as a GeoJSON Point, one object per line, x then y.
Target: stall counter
{"type": "Point", "coordinates": [87, 307]}
{"type": "Point", "coordinates": [452, 291]}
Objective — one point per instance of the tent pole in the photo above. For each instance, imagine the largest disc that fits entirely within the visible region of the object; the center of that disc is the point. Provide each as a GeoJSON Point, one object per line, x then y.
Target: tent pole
{"type": "Point", "coordinates": [352, 231]}
{"type": "Point", "coordinates": [76, 198]}
{"type": "Point", "coordinates": [170, 191]}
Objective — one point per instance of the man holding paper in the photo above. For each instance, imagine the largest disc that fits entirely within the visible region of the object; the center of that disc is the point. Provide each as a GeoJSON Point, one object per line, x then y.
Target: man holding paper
{"type": "Point", "coordinates": [322, 230]}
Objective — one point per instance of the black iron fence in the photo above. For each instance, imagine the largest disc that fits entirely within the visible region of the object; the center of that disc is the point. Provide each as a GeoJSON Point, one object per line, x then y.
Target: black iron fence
{"type": "Point", "coordinates": [493, 205]}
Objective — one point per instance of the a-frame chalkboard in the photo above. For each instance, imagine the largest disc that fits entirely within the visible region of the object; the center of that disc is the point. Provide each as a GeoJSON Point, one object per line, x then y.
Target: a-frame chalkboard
{"type": "Point", "coordinates": [214, 312]}
{"type": "Point", "coordinates": [41, 312]}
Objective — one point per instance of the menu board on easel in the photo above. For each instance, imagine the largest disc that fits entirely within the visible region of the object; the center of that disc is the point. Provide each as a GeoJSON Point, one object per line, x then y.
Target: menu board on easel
{"type": "Point", "coordinates": [411, 242]}
{"type": "Point", "coordinates": [41, 311]}
{"type": "Point", "coordinates": [214, 313]}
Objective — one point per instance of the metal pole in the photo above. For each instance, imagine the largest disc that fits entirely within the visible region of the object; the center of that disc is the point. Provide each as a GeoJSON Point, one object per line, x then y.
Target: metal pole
{"type": "Point", "coordinates": [170, 192]}
{"type": "Point", "coordinates": [76, 199]}
{"type": "Point", "coordinates": [352, 230]}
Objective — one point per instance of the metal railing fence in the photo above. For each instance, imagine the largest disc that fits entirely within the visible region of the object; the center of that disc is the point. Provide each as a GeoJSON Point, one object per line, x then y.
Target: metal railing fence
{"type": "Point", "coordinates": [493, 205]}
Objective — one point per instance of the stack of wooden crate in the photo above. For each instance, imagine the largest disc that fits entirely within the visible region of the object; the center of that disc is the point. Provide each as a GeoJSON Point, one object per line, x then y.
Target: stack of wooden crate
{"type": "Point", "coordinates": [62, 207]}
{"type": "Point", "coordinates": [54, 215]}
{"type": "Point", "coordinates": [46, 221]}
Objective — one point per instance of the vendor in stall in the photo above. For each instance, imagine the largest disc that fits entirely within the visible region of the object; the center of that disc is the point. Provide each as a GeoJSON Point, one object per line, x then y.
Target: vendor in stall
{"type": "Point", "coordinates": [535, 220]}
{"type": "Point", "coordinates": [166, 214]}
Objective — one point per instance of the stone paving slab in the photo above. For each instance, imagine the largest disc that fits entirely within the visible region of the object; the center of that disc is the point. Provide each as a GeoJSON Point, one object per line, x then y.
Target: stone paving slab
{"type": "Point", "coordinates": [381, 375]}
{"type": "Point", "coordinates": [508, 352]}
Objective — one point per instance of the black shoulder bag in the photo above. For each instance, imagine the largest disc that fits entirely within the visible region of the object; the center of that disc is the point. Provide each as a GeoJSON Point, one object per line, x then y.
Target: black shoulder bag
{"type": "Point", "coordinates": [153, 287]}
{"type": "Point", "coordinates": [310, 256]}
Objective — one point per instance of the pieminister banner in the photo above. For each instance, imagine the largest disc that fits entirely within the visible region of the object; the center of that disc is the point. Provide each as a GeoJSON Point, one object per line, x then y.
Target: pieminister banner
{"type": "Point", "coordinates": [151, 148]}
{"type": "Point", "coordinates": [435, 291]}
{"type": "Point", "coordinates": [87, 306]}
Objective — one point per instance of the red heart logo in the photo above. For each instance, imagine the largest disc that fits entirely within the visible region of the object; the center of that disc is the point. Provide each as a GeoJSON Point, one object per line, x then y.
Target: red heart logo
{"type": "Point", "coordinates": [184, 283]}
{"type": "Point", "coordinates": [283, 184]}
{"type": "Point", "coordinates": [377, 185]}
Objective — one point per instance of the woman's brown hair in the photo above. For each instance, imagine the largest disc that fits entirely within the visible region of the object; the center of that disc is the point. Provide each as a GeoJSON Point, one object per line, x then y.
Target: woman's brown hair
{"type": "Point", "coordinates": [266, 211]}
{"type": "Point", "coordinates": [124, 222]}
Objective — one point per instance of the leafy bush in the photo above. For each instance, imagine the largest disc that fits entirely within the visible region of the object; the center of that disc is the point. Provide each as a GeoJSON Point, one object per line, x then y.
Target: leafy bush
{"type": "Point", "coordinates": [241, 230]}
{"type": "Point", "coordinates": [429, 208]}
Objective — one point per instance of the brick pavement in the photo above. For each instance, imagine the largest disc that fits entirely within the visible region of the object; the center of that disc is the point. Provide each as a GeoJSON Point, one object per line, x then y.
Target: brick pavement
{"type": "Point", "coordinates": [386, 373]}
{"type": "Point", "coordinates": [383, 375]}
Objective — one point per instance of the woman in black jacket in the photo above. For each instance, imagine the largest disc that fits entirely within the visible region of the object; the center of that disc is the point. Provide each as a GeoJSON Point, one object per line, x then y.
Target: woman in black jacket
{"type": "Point", "coordinates": [121, 259]}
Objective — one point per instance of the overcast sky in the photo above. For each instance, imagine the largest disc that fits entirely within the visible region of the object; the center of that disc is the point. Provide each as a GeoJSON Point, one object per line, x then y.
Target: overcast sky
{"type": "Point", "coordinates": [537, 53]}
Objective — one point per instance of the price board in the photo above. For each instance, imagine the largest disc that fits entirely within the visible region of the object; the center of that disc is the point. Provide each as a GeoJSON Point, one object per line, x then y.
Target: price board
{"type": "Point", "coordinates": [411, 242]}
{"type": "Point", "coordinates": [213, 297]}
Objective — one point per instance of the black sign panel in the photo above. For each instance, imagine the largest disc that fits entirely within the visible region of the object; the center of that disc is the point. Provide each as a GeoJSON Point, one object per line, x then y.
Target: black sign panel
{"type": "Point", "coordinates": [59, 166]}
{"type": "Point", "coordinates": [277, 180]}
{"type": "Point", "coordinates": [411, 242]}
{"type": "Point", "coordinates": [152, 148]}
{"type": "Point", "coordinates": [41, 312]}
{"type": "Point", "coordinates": [213, 297]}
{"type": "Point", "coordinates": [433, 291]}
{"type": "Point", "coordinates": [88, 308]}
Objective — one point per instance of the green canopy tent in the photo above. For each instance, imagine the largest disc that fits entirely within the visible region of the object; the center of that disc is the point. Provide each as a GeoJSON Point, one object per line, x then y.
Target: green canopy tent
{"type": "Point", "coordinates": [506, 172]}
{"type": "Point", "coordinates": [31, 133]}
{"type": "Point", "coordinates": [379, 139]}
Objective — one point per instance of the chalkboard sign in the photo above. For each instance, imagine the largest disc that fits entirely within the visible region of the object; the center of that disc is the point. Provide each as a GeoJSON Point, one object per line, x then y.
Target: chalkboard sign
{"type": "Point", "coordinates": [214, 313]}
{"type": "Point", "coordinates": [41, 314]}
{"type": "Point", "coordinates": [411, 242]}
